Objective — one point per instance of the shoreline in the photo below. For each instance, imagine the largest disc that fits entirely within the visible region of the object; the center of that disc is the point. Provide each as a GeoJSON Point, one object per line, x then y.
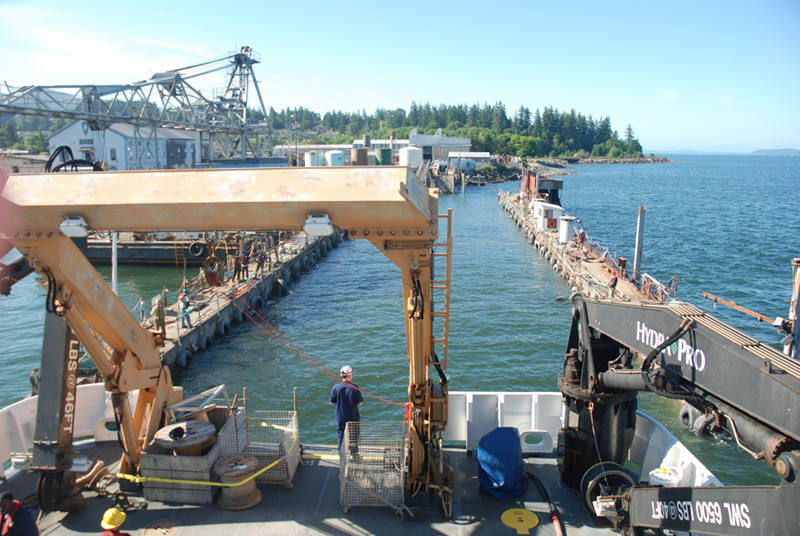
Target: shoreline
{"type": "Point", "coordinates": [602, 160]}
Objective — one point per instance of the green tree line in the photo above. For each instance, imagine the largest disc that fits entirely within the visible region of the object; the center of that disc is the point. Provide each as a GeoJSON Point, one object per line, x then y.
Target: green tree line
{"type": "Point", "coordinates": [524, 133]}
{"type": "Point", "coordinates": [38, 128]}
{"type": "Point", "coordinates": [548, 132]}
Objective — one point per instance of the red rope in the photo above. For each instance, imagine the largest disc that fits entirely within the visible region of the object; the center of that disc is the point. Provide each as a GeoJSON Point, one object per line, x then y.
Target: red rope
{"type": "Point", "coordinates": [305, 357]}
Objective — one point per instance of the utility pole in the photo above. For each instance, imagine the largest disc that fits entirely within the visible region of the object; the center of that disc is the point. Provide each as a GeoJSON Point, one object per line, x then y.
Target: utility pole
{"type": "Point", "coordinates": [637, 258]}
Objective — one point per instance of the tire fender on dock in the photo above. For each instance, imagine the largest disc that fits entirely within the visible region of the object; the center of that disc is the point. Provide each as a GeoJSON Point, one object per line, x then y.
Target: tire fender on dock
{"type": "Point", "coordinates": [688, 414]}
{"type": "Point", "coordinates": [183, 358]}
{"type": "Point", "coordinates": [223, 328]}
{"type": "Point", "coordinates": [256, 302]}
{"type": "Point", "coordinates": [279, 289]}
{"type": "Point", "coordinates": [238, 316]}
{"type": "Point", "coordinates": [702, 425]}
{"type": "Point", "coordinates": [202, 342]}
{"type": "Point", "coordinates": [197, 249]}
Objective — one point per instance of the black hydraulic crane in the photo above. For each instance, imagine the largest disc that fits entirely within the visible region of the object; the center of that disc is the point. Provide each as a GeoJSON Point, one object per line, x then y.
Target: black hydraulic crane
{"type": "Point", "coordinates": [744, 387]}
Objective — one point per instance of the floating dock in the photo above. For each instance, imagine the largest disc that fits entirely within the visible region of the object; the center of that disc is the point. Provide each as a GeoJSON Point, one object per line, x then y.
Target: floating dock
{"type": "Point", "coordinates": [214, 309]}
{"type": "Point", "coordinates": [587, 266]}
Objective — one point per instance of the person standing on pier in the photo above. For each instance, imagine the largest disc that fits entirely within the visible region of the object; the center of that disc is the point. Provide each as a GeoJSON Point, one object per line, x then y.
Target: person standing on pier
{"type": "Point", "coordinates": [183, 309]}
{"type": "Point", "coordinates": [245, 266]}
{"type": "Point", "coordinates": [159, 318]}
{"type": "Point", "coordinates": [612, 283]}
{"type": "Point", "coordinates": [237, 268]}
{"type": "Point", "coordinates": [346, 396]}
{"type": "Point", "coordinates": [261, 259]}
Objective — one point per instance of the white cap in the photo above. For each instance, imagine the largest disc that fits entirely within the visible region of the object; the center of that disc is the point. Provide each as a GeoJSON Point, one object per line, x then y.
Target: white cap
{"type": "Point", "coordinates": [346, 370]}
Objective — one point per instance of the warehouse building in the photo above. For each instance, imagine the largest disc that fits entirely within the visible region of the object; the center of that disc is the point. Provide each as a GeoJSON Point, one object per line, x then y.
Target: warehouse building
{"type": "Point", "coordinates": [124, 146]}
{"type": "Point", "coordinates": [434, 146]}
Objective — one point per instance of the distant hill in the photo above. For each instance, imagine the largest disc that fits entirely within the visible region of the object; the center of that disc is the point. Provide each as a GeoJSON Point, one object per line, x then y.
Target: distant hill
{"type": "Point", "coordinates": [777, 152]}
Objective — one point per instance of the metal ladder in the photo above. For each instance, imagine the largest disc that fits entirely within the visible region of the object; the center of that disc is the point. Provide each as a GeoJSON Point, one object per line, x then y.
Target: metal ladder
{"type": "Point", "coordinates": [178, 244]}
{"type": "Point", "coordinates": [443, 286]}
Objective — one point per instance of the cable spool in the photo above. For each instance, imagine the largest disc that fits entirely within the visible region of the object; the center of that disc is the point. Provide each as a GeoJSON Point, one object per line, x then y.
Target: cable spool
{"type": "Point", "coordinates": [234, 469]}
{"type": "Point", "coordinates": [604, 478]}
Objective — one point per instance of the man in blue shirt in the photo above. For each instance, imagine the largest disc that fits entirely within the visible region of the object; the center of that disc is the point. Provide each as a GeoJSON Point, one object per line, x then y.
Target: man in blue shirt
{"type": "Point", "coordinates": [347, 397]}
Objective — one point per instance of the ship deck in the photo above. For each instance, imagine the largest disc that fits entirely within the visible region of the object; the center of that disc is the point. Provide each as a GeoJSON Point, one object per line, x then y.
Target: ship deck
{"type": "Point", "coordinates": [313, 507]}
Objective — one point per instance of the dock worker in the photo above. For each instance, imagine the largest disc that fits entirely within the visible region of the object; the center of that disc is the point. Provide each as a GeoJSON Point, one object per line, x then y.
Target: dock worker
{"type": "Point", "coordinates": [612, 283]}
{"type": "Point", "coordinates": [237, 268]}
{"type": "Point", "coordinates": [15, 519]}
{"type": "Point", "coordinates": [183, 310]}
{"type": "Point", "coordinates": [346, 396]}
{"type": "Point", "coordinates": [159, 318]}
{"type": "Point", "coordinates": [245, 266]}
{"type": "Point", "coordinates": [113, 518]}
{"type": "Point", "coordinates": [261, 259]}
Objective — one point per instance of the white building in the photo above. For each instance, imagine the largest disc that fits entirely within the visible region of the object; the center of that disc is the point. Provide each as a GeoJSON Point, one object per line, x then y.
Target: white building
{"type": "Point", "coordinates": [469, 161]}
{"type": "Point", "coordinates": [124, 146]}
{"type": "Point", "coordinates": [434, 146]}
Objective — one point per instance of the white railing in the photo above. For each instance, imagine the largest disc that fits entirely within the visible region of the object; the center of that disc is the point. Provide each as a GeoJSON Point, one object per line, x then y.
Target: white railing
{"type": "Point", "coordinates": [539, 415]}
{"type": "Point", "coordinates": [473, 414]}
{"type": "Point", "coordinates": [18, 424]}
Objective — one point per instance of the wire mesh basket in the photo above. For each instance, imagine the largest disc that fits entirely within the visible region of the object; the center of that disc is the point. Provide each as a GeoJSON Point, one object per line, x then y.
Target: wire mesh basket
{"type": "Point", "coordinates": [269, 436]}
{"type": "Point", "coordinates": [372, 465]}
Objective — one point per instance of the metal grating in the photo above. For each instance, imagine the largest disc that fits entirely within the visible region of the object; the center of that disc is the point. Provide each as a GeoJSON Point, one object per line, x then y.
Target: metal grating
{"type": "Point", "coordinates": [372, 467]}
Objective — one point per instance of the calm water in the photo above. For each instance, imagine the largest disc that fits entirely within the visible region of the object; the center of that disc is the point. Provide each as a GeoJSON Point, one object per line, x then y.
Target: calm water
{"type": "Point", "coordinates": [727, 225]}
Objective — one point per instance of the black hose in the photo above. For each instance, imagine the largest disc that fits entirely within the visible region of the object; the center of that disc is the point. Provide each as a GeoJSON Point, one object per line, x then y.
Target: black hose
{"type": "Point", "coordinates": [554, 514]}
{"type": "Point", "coordinates": [64, 151]}
{"type": "Point", "coordinates": [75, 163]}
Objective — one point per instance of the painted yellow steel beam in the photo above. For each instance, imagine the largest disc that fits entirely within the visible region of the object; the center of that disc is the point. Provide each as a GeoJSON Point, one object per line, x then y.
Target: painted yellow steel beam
{"type": "Point", "coordinates": [365, 198]}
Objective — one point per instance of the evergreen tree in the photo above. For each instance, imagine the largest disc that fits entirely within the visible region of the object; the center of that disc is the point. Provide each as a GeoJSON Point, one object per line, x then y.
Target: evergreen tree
{"type": "Point", "coordinates": [8, 134]}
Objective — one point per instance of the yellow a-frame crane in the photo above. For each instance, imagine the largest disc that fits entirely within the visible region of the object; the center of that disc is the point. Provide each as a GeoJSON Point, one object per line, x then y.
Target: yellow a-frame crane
{"type": "Point", "coordinates": [386, 205]}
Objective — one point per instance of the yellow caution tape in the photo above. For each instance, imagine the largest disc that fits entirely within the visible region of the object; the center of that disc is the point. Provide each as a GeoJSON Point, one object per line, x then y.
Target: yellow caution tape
{"type": "Point", "coordinates": [142, 479]}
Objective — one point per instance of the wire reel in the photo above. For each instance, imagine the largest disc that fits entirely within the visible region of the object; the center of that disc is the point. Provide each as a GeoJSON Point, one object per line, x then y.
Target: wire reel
{"type": "Point", "coordinates": [606, 479]}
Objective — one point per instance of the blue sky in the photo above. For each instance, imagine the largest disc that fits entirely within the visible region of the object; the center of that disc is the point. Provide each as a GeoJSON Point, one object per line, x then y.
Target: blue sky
{"type": "Point", "coordinates": [701, 75]}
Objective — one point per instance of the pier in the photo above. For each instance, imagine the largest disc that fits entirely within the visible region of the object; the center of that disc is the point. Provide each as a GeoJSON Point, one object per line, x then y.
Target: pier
{"type": "Point", "coordinates": [587, 266]}
{"type": "Point", "coordinates": [215, 309]}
